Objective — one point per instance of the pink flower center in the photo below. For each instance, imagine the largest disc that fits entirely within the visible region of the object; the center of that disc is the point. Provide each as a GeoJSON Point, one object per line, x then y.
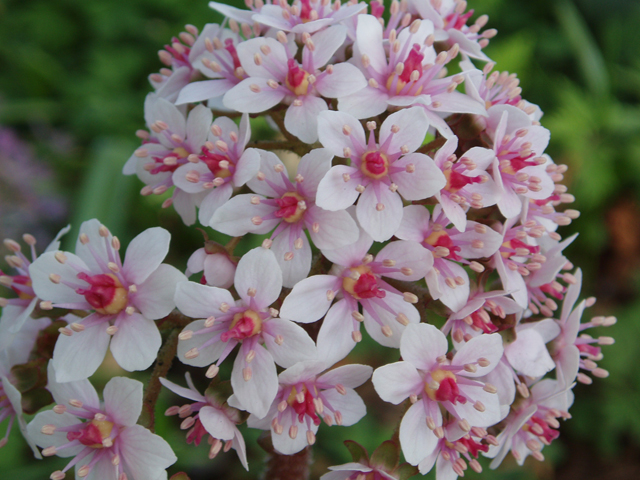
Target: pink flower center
{"type": "Point", "coordinates": [539, 427]}
{"type": "Point", "coordinates": [374, 165]}
{"type": "Point", "coordinates": [516, 164]}
{"type": "Point", "coordinates": [231, 48]}
{"type": "Point", "coordinates": [457, 21]}
{"type": "Point", "coordinates": [456, 181]}
{"type": "Point", "coordinates": [212, 160]}
{"type": "Point", "coordinates": [177, 153]}
{"type": "Point", "coordinates": [196, 433]}
{"type": "Point", "coordinates": [444, 387]}
{"type": "Point", "coordinates": [412, 63]}
{"type": "Point", "coordinates": [472, 446]}
{"type": "Point", "coordinates": [440, 238]}
{"type": "Point", "coordinates": [92, 434]}
{"type": "Point", "coordinates": [292, 207]}
{"type": "Point", "coordinates": [514, 244]}
{"type": "Point", "coordinates": [106, 294]}
{"type": "Point", "coordinates": [479, 323]}
{"type": "Point", "coordinates": [366, 286]}
{"type": "Point", "coordinates": [297, 79]}
{"type": "Point", "coordinates": [305, 10]}
{"type": "Point", "coordinates": [306, 407]}
{"type": "Point", "coordinates": [244, 325]}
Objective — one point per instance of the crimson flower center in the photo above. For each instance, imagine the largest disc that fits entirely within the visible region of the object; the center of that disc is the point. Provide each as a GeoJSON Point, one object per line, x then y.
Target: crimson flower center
{"type": "Point", "coordinates": [106, 294]}
{"type": "Point", "coordinates": [291, 209]}
{"type": "Point", "coordinates": [297, 79]}
{"type": "Point", "coordinates": [244, 325]}
{"type": "Point", "coordinates": [374, 165]}
{"type": "Point", "coordinates": [366, 285]}
{"type": "Point", "coordinates": [306, 407]}
{"type": "Point", "coordinates": [212, 160]}
{"type": "Point", "coordinates": [92, 434]}
{"type": "Point", "coordinates": [441, 238]}
{"type": "Point", "coordinates": [456, 181]}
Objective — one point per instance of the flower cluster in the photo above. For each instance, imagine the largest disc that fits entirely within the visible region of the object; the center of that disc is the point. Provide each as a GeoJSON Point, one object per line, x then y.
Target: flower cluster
{"type": "Point", "coordinates": [421, 184]}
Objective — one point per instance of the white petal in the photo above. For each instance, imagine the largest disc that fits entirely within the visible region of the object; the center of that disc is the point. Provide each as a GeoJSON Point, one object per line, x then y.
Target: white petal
{"type": "Point", "coordinates": [216, 423]}
{"type": "Point", "coordinates": [243, 99]}
{"type": "Point", "coordinates": [217, 198]}
{"type": "Point", "coordinates": [492, 413]}
{"type": "Point", "coordinates": [201, 301]}
{"type": "Point", "coordinates": [415, 222]}
{"type": "Point", "coordinates": [77, 357]}
{"type": "Point", "coordinates": [412, 124]}
{"type": "Point", "coordinates": [395, 382]}
{"type": "Point", "coordinates": [298, 267]}
{"type": "Point", "coordinates": [313, 167]}
{"type": "Point", "coordinates": [204, 90]}
{"type": "Point", "coordinates": [365, 103]}
{"type": "Point", "coordinates": [301, 120]}
{"type": "Point", "coordinates": [286, 445]}
{"type": "Point", "coordinates": [206, 356]}
{"type": "Point", "coordinates": [528, 354]}
{"type": "Point", "coordinates": [198, 124]}
{"type": "Point", "coordinates": [256, 394]}
{"type": "Point", "coordinates": [63, 392]}
{"type": "Point", "coordinates": [396, 304]}
{"type": "Point", "coordinates": [145, 253]}
{"type": "Point", "coordinates": [136, 343]}
{"type": "Point", "coordinates": [425, 180]}
{"type": "Point", "coordinates": [407, 254]}
{"type": "Point", "coordinates": [247, 167]}
{"type": "Point", "coordinates": [345, 80]}
{"type": "Point", "coordinates": [483, 346]}
{"type": "Point", "coordinates": [349, 405]}
{"type": "Point", "coordinates": [369, 42]}
{"type": "Point", "coordinates": [297, 345]}
{"type": "Point", "coordinates": [416, 439]}
{"type": "Point", "coordinates": [334, 339]}
{"type": "Point", "coordinates": [45, 265]}
{"type": "Point", "coordinates": [336, 229]}
{"type": "Point", "coordinates": [258, 269]}
{"type": "Point", "coordinates": [58, 439]}
{"type": "Point", "coordinates": [123, 400]}
{"type": "Point", "coordinates": [350, 376]}
{"type": "Point", "coordinates": [421, 344]}
{"type": "Point", "coordinates": [219, 270]}
{"type": "Point", "coordinates": [331, 132]}
{"type": "Point", "coordinates": [380, 224]}
{"type": "Point", "coordinates": [454, 298]}
{"type": "Point", "coordinates": [234, 217]}
{"type": "Point", "coordinates": [326, 43]}
{"type": "Point", "coordinates": [155, 295]}
{"type": "Point", "coordinates": [333, 192]}
{"type": "Point", "coordinates": [308, 300]}
{"type": "Point", "coordinates": [277, 56]}
{"type": "Point", "coordinates": [182, 391]}
{"type": "Point", "coordinates": [350, 254]}
{"type": "Point", "coordinates": [491, 241]}
{"type": "Point", "coordinates": [144, 453]}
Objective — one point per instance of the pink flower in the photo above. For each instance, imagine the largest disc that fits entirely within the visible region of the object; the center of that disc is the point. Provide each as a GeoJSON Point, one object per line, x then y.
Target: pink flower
{"type": "Point", "coordinates": [431, 381]}
{"type": "Point", "coordinates": [573, 352]}
{"type": "Point", "coordinates": [468, 184]}
{"type": "Point", "coordinates": [16, 311]}
{"type": "Point", "coordinates": [222, 164]}
{"type": "Point", "coordinates": [275, 76]}
{"type": "Point", "coordinates": [290, 208]}
{"type": "Point", "coordinates": [407, 75]}
{"type": "Point", "coordinates": [218, 266]}
{"type": "Point", "coordinates": [210, 416]}
{"type": "Point", "coordinates": [448, 281]}
{"type": "Point", "coordinates": [103, 438]}
{"type": "Point", "coordinates": [125, 298]}
{"type": "Point", "coordinates": [305, 398]}
{"type": "Point", "coordinates": [380, 173]}
{"type": "Point", "coordinates": [450, 25]}
{"type": "Point", "coordinates": [518, 168]}
{"type": "Point", "coordinates": [532, 422]}
{"type": "Point", "coordinates": [263, 337]}
{"type": "Point", "coordinates": [305, 16]}
{"type": "Point", "coordinates": [214, 55]}
{"type": "Point", "coordinates": [356, 277]}
{"type": "Point", "coordinates": [17, 353]}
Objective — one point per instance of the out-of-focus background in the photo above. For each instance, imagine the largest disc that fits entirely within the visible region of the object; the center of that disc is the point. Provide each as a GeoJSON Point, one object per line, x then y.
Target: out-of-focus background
{"type": "Point", "coordinates": [73, 77]}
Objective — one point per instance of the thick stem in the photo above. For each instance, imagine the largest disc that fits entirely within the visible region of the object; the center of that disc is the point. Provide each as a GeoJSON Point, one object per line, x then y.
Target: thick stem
{"type": "Point", "coordinates": [163, 363]}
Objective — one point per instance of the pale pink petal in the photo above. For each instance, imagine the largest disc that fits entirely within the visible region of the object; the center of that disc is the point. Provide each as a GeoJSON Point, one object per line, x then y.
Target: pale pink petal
{"type": "Point", "coordinates": [369, 41]}
{"type": "Point", "coordinates": [334, 193]}
{"type": "Point", "coordinates": [296, 347]}
{"type": "Point", "coordinates": [218, 197]}
{"type": "Point", "coordinates": [79, 356]}
{"type": "Point", "coordinates": [416, 439]}
{"type": "Point", "coordinates": [179, 177]}
{"type": "Point", "coordinates": [240, 448]}
{"type": "Point", "coordinates": [350, 255]}
{"type": "Point", "coordinates": [185, 205]}
{"type": "Point", "coordinates": [258, 392]}
{"type": "Point", "coordinates": [422, 344]}
{"type": "Point", "coordinates": [258, 269]}
{"type": "Point", "coordinates": [454, 298]}
{"type": "Point", "coordinates": [145, 253]}
{"type": "Point", "coordinates": [453, 211]}
{"type": "Point", "coordinates": [349, 405]}
{"type": "Point", "coordinates": [201, 301]}
{"type": "Point", "coordinates": [155, 295]}
{"type": "Point", "coordinates": [204, 90]}
{"type": "Point", "coordinates": [182, 391]}
{"type": "Point", "coordinates": [407, 254]}
{"type": "Point", "coordinates": [146, 455]}
{"type": "Point", "coordinates": [383, 223]}
{"type": "Point", "coordinates": [232, 12]}
{"type": "Point", "coordinates": [300, 372]}
{"type": "Point", "coordinates": [216, 423]}
{"type": "Point", "coordinates": [326, 43]}
{"type": "Point", "coordinates": [350, 376]}
{"type": "Point", "coordinates": [277, 55]}
{"type": "Point", "coordinates": [58, 439]}
{"type": "Point", "coordinates": [344, 80]}
{"type": "Point", "coordinates": [123, 400]}
{"type": "Point", "coordinates": [313, 167]}
{"type": "Point", "coordinates": [395, 382]}
{"type": "Point", "coordinates": [252, 95]}
{"type": "Point", "coordinates": [456, 102]}
{"type": "Point", "coordinates": [424, 181]}
{"type": "Point", "coordinates": [302, 120]}
{"type": "Point", "coordinates": [63, 392]}
{"type": "Point", "coordinates": [206, 356]}
{"type": "Point", "coordinates": [528, 354]}
{"type": "Point", "coordinates": [502, 378]}
{"type": "Point", "coordinates": [334, 339]}
{"type": "Point", "coordinates": [412, 126]}
{"type": "Point", "coordinates": [512, 281]}
{"type": "Point", "coordinates": [308, 301]}
{"type": "Point", "coordinates": [247, 167]}
{"type": "Point", "coordinates": [485, 346]}
{"type": "Point", "coordinates": [397, 305]}
{"type": "Point", "coordinates": [491, 241]}
{"type": "Point", "coordinates": [270, 165]}
{"type": "Point", "coordinates": [415, 222]}
{"type": "Point", "coordinates": [167, 112]}
{"type": "Point", "coordinates": [546, 184]}
{"type": "Point", "coordinates": [492, 413]}
{"type": "Point", "coordinates": [365, 103]}
{"type": "Point", "coordinates": [512, 118]}
{"type": "Point", "coordinates": [298, 267]}
{"type": "Point", "coordinates": [331, 132]}
{"type": "Point", "coordinates": [336, 229]}
{"type": "Point", "coordinates": [286, 445]}
{"type": "Point", "coordinates": [136, 343]}
{"type": "Point", "coordinates": [235, 217]}
{"type": "Point", "coordinates": [45, 265]}
{"type": "Point", "coordinates": [198, 125]}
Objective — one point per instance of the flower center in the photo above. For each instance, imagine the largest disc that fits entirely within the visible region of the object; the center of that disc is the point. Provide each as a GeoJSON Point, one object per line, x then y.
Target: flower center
{"type": "Point", "coordinates": [292, 207]}
{"type": "Point", "coordinates": [441, 238]}
{"type": "Point", "coordinates": [244, 325]}
{"type": "Point", "coordinates": [366, 285]}
{"type": "Point", "coordinates": [374, 165]}
{"type": "Point", "coordinates": [24, 281]}
{"type": "Point", "coordinates": [413, 63]}
{"type": "Point", "coordinates": [106, 295]}
{"type": "Point", "coordinates": [230, 47]}
{"type": "Point", "coordinates": [516, 164]}
{"type": "Point", "coordinates": [515, 244]}
{"type": "Point", "coordinates": [93, 433]}
{"type": "Point", "coordinates": [456, 181]}
{"type": "Point", "coordinates": [444, 387]}
{"type": "Point", "coordinates": [306, 407]}
{"type": "Point", "coordinates": [297, 79]}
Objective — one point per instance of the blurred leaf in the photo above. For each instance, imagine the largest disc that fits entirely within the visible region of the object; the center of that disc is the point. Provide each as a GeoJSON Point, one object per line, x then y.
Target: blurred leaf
{"type": "Point", "coordinates": [386, 456]}
{"type": "Point", "coordinates": [358, 452]}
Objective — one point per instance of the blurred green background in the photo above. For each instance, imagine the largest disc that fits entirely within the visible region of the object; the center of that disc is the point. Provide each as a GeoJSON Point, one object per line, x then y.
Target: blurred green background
{"type": "Point", "coordinates": [73, 77]}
